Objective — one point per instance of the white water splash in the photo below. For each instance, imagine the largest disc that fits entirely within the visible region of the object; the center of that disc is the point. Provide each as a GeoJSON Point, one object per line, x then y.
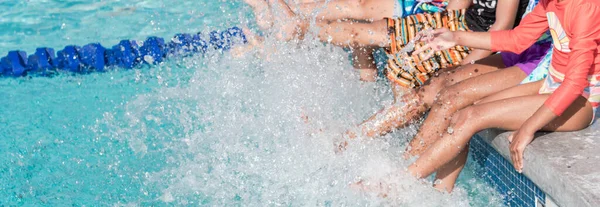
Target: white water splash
{"type": "Point", "coordinates": [234, 134]}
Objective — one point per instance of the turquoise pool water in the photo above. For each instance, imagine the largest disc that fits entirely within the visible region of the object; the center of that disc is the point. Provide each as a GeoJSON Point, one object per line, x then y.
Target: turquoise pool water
{"type": "Point", "coordinates": [203, 130]}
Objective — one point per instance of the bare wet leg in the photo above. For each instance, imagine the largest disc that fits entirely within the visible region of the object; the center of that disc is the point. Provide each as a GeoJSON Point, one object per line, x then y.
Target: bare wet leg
{"type": "Point", "coordinates": [387, 119]}
{"type": "Point", "coordinates": [262, 12]}
{"type": "Point", "coordinates": [461, 88]}
{"type": "Point", "coordinates": [410, 104]}
{"type": "Point", "coordinates": [516, 105]}
{"type": "Point", "coordinates": [446, 176]}
{"type": "Point", "coordinates": [333, 10]}
{"type": "Point", "coordinates": [364, 62]}
{"type": "Point", "coordinates": [289, 25]}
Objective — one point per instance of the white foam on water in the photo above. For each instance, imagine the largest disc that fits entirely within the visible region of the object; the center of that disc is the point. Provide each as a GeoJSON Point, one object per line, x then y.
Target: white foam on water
{"type": "Point", "coordinates": [234, 134]}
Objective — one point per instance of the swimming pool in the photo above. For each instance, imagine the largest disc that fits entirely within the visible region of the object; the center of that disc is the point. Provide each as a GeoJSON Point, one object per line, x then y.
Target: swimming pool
{"type": "Point", "coordinates": [201, 130]}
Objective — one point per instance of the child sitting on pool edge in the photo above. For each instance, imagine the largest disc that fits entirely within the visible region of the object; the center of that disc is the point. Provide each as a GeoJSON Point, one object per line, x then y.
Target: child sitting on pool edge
{"type": "Point", "coordinates": [417, 101]}
{"type": "Point", "coordinates": [566, 100]}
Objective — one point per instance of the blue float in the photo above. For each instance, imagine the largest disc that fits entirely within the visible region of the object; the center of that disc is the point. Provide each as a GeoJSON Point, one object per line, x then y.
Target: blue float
{"type": "Point", "coordinates": [15, 63]}
{"type": "Point", "coordinates": [236, 36]}
{"type": "Point", "coordinates": [92, 57]}
{"type": "Point", "coordinates": [127, 54]}
{"type": "Point", "coordinates": [199, 43]}
{"type": "Point", "coordinates": [42, 61]}
{"type": "Point", "coordinates": [68, 59]}
{"type": "Point", "coordinates": [153, 51]}
{"type": "Point", "coordinates": [110, 57]}
{"type": "Point", "coordinates": [216, 40]}
{"type": "Point", "coordinates": [181, 44]}
{"type": "Point", "coordinates": [224, 40]}
{"type": "Point", "coordinates": [1, 66]}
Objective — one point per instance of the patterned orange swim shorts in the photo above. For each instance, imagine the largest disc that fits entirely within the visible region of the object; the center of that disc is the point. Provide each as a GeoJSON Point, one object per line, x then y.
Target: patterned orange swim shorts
{"type": "Point", "coordinates": [412, 71]}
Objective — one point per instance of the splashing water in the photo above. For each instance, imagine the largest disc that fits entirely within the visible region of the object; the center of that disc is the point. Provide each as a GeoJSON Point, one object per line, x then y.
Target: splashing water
{"type": "Point", "coordinates": [234, 133]}
{"type": "Point", "coordinates": [212, 130]}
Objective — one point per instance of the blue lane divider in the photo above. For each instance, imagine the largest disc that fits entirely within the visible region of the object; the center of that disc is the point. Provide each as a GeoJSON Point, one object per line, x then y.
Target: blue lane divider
{"type": "Point", "coordinates": [14, 63]}
{"type": "Point", "coordinates": [42, 61]}
{"type": "Point", "coordinates": [94, 57]}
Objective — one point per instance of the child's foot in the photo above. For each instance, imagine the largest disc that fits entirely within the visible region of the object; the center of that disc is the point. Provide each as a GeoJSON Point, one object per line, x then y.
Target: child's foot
{"type": "Point", "coordinates": [254, 42]}
{"type": "Point", "coordinates": [367, 74]}
{"type": "Point", "coordinates": [262, 12]}
{"type": "Point", "coordinates": [289, 24]}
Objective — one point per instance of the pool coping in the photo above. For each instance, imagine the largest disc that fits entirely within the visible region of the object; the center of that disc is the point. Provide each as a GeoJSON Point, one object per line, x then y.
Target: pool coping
{"type": "Point", "coordinates": [565, 165]}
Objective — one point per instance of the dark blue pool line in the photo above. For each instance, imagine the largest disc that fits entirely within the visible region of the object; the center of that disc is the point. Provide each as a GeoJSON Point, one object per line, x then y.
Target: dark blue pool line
{"type": "Point", "coordinates": [94, 57]}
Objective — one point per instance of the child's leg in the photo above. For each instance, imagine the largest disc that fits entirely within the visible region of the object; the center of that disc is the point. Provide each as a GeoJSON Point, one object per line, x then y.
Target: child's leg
{"type": "Point", "coordinates": [289, 28]}
{"type": "Point", "coordinates": [446, 176]}
{"type": "Point", "coordinates": [348, 9]}
{"type": "Point", "coordinates": [456, 97]}
{"type": "Point", "coordinates": [364, 62]}
{"type": "Point", "coordinates": [509, 114]}
{"type": "Point", "coordinates": [450, 76]}
{"type": "Point", "coordinates": [347, 34]}
{"type": "Point", "coordinates": [308, 1]}
{"type": "Point", "coordinates": [417, 101]}
{"type": "Point", "coordinates": [450, 100]}
{"type": "Point", "coordinates": [436, 120]}
{"type": "Point", "coordinates": [262, 13]}
{"type": "Point", "coordinates": [351, 9]}
{"type": "Point", "coordinates": [354, 34]}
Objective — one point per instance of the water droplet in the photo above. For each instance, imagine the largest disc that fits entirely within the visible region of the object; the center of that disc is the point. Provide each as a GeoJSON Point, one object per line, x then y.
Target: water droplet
{"type": "Point", "coordinates": [149, 59]}
{"type": "Point", "coordinates": [450, 130]}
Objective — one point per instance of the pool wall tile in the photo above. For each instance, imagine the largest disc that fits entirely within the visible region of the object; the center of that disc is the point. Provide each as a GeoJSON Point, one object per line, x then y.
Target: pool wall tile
{"type": "Point", "coordinates": [517, 189]}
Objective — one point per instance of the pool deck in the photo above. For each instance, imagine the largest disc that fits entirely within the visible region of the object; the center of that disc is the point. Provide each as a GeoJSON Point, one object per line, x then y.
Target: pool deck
{"type": "Point", "coordinates": [566, 166]}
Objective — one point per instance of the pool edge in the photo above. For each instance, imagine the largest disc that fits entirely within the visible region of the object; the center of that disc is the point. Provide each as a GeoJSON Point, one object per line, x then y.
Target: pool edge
{"type": "Point", "coordinates": [561, 164]}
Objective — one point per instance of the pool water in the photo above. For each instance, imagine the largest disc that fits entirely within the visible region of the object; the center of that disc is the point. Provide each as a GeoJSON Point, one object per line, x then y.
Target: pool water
{"type": "Point", "coordinates": [208, 129]}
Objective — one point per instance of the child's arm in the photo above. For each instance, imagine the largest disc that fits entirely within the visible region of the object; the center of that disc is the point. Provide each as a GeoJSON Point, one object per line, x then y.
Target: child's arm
{"type": "Point", "coordinates": [584, 46]}
{"type": "Point", "coordinates": [506, 13]}
{"type": "Point", "coordinates": [517, 40]}
{"type": "Point", "coordinates": [523, 36]}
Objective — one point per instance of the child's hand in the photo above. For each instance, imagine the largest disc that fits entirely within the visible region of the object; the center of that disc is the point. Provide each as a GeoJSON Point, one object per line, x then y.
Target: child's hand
{"type": "Point", "coordinates": [518, 141]}
{"type": "Point", "coordinates": [439, 39]}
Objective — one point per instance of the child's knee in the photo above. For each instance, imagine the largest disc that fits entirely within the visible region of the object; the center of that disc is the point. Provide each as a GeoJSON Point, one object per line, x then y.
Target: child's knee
{"type": "Point", "coordinates": [449, 98]}
{"type": "Point", "coordinates": [429, 92]}
{"type": "Point", "coordinates": [437, 82]}
{"type": "Point", "coordinates": [462, 117]}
